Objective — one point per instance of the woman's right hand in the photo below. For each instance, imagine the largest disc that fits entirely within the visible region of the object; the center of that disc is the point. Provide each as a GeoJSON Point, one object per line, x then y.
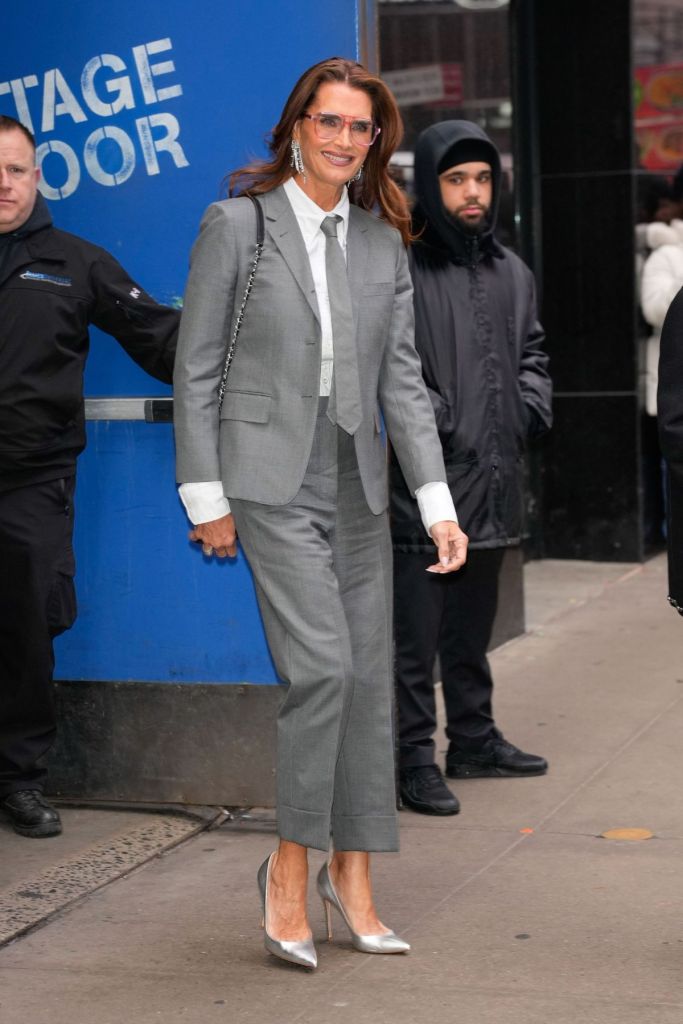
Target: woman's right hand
{"type": "Point", "coordinates": [217, 537]}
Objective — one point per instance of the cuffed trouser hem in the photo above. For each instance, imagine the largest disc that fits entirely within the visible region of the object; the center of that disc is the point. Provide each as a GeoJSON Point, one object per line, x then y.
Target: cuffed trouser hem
{"type": "Point", "coordinates": [471, 744]}
{"type": "Point", "coordinates": [308, 828]}
{"type": "Point", "coordinates": [417, 755]}
{"type": "Point", "coordinates": [373, 834]}
{"type": "Point", "coordinates": [18, 787]}
{"type": "Point", "coordinates": [370, 833]}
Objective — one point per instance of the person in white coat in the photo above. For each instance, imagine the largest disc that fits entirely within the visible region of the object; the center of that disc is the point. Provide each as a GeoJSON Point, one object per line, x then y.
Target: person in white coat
{"type": "Point", "coordinates": [661, 279]}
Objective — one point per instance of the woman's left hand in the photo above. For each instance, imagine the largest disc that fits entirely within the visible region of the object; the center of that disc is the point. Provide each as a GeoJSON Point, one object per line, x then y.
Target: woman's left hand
{"type": "Point", "coordinates": [451, 543]}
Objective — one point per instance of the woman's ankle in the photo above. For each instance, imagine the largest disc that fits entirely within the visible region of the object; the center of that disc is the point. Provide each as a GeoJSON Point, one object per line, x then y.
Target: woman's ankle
{"type": "Point", "coordinates": [350, 867]}
{"type": "Point", "coordinates": [290, 864]}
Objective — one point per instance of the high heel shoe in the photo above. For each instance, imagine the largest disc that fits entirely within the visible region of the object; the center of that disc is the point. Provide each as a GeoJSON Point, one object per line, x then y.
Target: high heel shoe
{"type": "Point", "coordinates": [389, 942]}
{"type": "Point", "coordinates": [302, 951]}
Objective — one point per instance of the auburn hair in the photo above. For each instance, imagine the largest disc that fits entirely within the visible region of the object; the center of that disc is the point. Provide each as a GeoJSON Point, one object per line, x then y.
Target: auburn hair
{"type": "Point", "coordinates": [376, 190]}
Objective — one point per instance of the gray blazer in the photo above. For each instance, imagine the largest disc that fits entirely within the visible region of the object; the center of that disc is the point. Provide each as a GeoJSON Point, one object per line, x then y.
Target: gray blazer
{"type": "Point", "coordinates": [260, 445]}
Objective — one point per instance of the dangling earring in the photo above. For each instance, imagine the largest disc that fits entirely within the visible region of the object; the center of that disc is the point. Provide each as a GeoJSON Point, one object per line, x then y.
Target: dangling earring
{"type": "Point", "coordinates": [358, 176]}
{"type": "Point", "coordinates": [297, 160]}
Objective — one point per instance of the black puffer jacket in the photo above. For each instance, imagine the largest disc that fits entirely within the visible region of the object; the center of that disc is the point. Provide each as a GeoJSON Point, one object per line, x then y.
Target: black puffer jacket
{"type": "Point", "coordinates": [53, 285]}
{"type": "Point", "coordinates": [670, 417]}
{"type": "Point", "coordinates": [480, 344]}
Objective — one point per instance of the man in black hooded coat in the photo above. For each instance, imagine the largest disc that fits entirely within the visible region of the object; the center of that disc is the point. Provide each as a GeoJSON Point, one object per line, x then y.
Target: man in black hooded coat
{"type": "Point", "coordinates": [480, 345]}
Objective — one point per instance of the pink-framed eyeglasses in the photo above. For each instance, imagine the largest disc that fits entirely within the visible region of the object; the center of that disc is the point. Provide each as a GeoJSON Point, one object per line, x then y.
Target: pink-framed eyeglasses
{"type": "Point", "coordinates": [328, 126]}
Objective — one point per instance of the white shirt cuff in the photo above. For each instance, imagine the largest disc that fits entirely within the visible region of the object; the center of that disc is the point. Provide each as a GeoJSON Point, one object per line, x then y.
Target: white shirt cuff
{"type": "Point", "coordinates": [204, 501]}
{"type": "Point", "coordinates": [435, 503]}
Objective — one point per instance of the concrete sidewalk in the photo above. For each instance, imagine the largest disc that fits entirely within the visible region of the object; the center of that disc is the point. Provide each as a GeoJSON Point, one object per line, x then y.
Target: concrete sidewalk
{"type": "Point", "coordinates": [516, 909]}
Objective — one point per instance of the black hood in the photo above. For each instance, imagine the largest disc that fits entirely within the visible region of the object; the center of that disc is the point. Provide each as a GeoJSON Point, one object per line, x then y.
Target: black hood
{"type": "Point", "coordinates": [39, 218]}
{"type": "Point", "coordinates": [440, 230]}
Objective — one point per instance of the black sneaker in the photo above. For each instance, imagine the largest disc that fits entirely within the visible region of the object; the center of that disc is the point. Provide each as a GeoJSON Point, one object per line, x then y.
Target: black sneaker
{"type": "Point", "coordinates": [494, 759]}
{"type": "Point", "coordinates": [424, 790]}
{"type": "Point", "coordinates": [31, 815]}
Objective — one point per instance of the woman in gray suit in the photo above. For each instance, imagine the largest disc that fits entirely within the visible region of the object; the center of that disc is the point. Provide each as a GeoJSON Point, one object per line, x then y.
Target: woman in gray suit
{"type": "Point", "coordinates": [294, 464]}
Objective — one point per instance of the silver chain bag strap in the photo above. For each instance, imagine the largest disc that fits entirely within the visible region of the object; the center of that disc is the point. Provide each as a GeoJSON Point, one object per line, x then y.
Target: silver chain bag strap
{"type": "Point", "coordinates": [260, 235]}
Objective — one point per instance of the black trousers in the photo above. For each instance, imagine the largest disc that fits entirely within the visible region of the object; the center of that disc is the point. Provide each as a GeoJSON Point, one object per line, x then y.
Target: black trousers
{"type": "Point", "coordinates": [451, 616]}
{"type": "Point", "coordinates": [37, 602]}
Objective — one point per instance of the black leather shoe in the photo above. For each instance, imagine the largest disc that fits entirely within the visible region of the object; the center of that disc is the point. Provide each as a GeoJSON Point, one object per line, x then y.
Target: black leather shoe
{"type": "Point", "coordinates": [494, 759]}
{"type": "Point", "coordinates": [424, 790]}
{"type": "Point", "coordinates": [31, 814]}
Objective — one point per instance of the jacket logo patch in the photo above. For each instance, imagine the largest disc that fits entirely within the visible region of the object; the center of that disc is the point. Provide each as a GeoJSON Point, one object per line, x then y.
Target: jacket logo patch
{"type": "Point", "coordinates": [32, 275]}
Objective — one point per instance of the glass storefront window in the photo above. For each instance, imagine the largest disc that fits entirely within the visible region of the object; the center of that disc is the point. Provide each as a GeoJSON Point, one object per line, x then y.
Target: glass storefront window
{"type": "Point", "coordinates": [447, 59]}
{"type": "Point", "coordinates": [658, 166]}
{"type": "Point", "coordinates": [658, 84]}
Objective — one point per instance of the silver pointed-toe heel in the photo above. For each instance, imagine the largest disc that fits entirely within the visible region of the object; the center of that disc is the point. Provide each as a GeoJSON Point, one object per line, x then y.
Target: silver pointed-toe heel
{"type": "Point", "coordinates": [387, 943]}
{"type": "Point", "coordinates": [301, 952]}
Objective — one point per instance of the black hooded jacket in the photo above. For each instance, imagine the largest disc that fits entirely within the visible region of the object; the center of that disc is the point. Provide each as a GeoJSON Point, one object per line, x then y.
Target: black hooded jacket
{"type": "Point", "coordinates": [53, 285]}
{"type": "Point", "coordinates": [480, 343]}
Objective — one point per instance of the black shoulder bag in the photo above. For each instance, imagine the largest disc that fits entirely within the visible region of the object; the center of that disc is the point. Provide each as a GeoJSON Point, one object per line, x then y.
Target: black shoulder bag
{"type": "Point", "coordinates": [260, 235]}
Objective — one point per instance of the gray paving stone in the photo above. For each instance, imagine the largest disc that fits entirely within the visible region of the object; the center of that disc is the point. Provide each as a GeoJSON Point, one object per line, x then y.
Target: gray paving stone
{"type": "Point", "coordinates": [549, 926]}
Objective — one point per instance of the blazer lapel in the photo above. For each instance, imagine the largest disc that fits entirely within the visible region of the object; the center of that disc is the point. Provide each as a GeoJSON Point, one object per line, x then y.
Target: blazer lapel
{"type": "Point", "coordinates": [285, 233]}
{"type": "Point", "coordinates": [356, 258]}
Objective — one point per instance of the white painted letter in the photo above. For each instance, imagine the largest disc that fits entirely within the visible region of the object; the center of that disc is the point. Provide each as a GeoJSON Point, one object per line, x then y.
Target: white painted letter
{"type": "Point", "coordinates": [73, 171]}
{"type": "Point", "coordinates": [167, 143]}
{"type": "Point", "coordinates": [19, 87]}
{"type": "Point", "coordinates": [148, 71]}
{"type": "Point", "coordinates": [125, 144]}
{"type": "Point", "coordinates": [55, 85]}
{"type": "Point", "coordinates": [121, 86]}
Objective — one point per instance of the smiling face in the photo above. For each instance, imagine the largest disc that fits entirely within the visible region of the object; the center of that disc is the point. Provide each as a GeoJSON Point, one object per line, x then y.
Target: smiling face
{"type": "Point", "coordinates": [18, 180]}
{"type": "Point", "coordinates": [466, 191]}
{"type": "Point", "coordinates": [329, 165]}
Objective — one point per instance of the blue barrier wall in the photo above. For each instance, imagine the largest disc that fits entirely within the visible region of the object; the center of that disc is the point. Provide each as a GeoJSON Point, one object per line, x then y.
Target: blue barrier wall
{"type": "Point", "coordinates": [139, 110]}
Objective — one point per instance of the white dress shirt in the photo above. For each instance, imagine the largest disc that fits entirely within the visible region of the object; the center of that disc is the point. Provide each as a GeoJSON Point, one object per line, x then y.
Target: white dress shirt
{"type": "Point", "coordinates": [205, 501]}
{"type": "Point", "coordinates": [310, 216]}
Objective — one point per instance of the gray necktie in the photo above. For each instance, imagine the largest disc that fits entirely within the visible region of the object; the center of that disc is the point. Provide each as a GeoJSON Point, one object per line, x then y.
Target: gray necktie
{"type": "Point", "coordinates": [344, 407]}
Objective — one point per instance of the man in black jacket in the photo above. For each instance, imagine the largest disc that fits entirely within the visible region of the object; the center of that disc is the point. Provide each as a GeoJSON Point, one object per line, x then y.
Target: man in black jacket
{"type": "Point", "coordinates": [480, 345]}
{"type": "Point", "coordinates": [53, 285]}
{"type": "Point", "coordinates": [670, 419]}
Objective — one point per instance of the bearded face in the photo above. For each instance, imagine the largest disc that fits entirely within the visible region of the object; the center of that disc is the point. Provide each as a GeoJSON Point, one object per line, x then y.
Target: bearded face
{"type": "Point", "coordinates": [466, 192]}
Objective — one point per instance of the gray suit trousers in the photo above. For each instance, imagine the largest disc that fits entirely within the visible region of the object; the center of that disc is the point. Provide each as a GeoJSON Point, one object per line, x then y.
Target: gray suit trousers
{"type": "Point", "coordinates": [322, 567]}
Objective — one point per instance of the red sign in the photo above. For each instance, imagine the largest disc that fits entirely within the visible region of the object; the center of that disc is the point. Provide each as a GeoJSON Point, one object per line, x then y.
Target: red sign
{"type": "Point", "coordinates": [452, 84]}
{"type": "Point", "coordinates": [659, 116]}
{"type": "Point", "coordinates": [451, 76]}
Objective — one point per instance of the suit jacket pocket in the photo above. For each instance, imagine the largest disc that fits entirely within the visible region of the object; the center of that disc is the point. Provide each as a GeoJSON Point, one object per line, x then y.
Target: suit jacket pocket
{"type": "Point", "coordinates": [379, 287]}
{"type": "Point", "coordinates": [245, 405]}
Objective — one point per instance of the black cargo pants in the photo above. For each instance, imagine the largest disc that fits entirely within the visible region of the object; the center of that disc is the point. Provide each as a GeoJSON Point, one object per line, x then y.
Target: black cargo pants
{"type": "Point", "coordinates": [37, 603]}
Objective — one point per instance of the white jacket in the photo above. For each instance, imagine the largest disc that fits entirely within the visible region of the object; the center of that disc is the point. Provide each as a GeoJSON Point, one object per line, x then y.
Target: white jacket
{"type": "Point", "coordinates": [661, 280]}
